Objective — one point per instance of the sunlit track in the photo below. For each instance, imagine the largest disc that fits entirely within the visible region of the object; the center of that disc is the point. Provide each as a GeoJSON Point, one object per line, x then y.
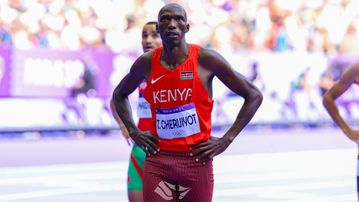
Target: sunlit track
{"type": "Point", "coordinates": [325, 175]}
{"type": "Point", "coordinates": [315, 175]}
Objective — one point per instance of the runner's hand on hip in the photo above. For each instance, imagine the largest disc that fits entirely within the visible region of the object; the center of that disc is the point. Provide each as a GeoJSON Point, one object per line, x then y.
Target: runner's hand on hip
{"type": "Point", "coordinates": [205, 151]}
{"type": "Point", "coordinates": [353, 135]}
{"type": "Point", "coordinates": [146, 141]}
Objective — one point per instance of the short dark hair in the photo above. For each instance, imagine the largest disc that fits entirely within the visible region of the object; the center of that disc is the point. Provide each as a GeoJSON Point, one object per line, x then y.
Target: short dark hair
{"type": "Point", "coordinates": [173, 5]}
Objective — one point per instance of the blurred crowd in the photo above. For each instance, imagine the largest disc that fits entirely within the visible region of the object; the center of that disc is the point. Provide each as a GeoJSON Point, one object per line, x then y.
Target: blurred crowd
{"type": "Point", "coordinates": [329, 26]}
{"type": "Point", "coordinates": [249, 33]}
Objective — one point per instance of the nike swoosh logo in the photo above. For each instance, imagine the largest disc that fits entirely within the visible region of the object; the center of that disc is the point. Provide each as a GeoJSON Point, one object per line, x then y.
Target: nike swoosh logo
{"type": "Point", "coordinates": [155, 80]}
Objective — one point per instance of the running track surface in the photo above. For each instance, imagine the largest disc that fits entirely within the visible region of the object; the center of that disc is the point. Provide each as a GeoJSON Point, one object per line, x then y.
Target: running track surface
{"type": "Point", "coordinates": [261, 165]}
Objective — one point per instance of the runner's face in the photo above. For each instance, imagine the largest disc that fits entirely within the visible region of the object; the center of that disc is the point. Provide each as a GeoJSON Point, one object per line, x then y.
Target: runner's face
{"type": "Point", "coordinates": [172, 24]}
{"type": "Point", "coordinates": [150, 38]}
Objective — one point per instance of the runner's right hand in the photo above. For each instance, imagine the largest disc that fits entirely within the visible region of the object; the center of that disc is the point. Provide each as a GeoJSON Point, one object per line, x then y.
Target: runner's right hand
{"type": "Point", "coordinates": [353, 135]}
{"type": "Point", "coordinates": [146, 141]}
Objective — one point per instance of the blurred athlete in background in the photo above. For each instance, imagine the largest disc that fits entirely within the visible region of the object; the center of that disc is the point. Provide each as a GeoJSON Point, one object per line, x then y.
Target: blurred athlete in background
{"type": "Point", "coordinates": [150, 41]}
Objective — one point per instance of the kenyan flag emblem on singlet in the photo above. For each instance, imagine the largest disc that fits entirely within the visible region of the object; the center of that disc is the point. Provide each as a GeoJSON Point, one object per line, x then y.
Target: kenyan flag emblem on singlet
{"type": "Point", "coordinates": [186, 75]}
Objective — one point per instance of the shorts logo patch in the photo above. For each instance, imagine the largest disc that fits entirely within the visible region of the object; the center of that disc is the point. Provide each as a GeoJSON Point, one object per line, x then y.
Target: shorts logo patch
{"type": "Point", "coordinates": [186, 75]}
{"type": "Point", "coordinates": [166, 190]}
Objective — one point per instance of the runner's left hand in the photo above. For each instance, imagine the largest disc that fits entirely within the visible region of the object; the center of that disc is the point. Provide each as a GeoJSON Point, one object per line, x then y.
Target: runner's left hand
{"type": "Point", "coordinates": [205, 151]}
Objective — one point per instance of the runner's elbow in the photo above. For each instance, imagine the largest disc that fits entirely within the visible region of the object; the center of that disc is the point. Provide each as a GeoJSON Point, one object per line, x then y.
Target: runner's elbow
{"type": "Point", "coordinates": [116, 95]}
{"type": "Point", "coordinates": [257, 97]}
{"type": "Point", "coordinates": [325, 100]}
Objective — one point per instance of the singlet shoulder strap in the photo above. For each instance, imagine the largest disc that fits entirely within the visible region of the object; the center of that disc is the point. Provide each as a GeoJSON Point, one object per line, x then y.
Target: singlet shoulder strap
{"type": "Point", "coordinates": [194, 52]}
{"type": "Point", "coordinates": [155, 60]}
{"type": "Point", "coordinates": [156, 56]}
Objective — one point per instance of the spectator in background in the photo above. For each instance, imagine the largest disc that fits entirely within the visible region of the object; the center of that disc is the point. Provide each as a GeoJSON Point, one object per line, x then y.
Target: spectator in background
{"type": "Point", "coordinates": [5, 37]}
{"type": "Point", "coordinates": [279, 41]}
{"type": "Point", "coordinates": [83, 88]}
{"type": "Point", "coordinates": [326, 81]}
{"type": "Point", "coordinates": [305, 96]}
{"type": "Point", "coordinates": [74, 24]}
{"type": "Point", "coordinates": [86, 84]}
{"type": "Point", "coordinates": [256, 77]}
{"type": "Point", "coordinates": [350, 43]}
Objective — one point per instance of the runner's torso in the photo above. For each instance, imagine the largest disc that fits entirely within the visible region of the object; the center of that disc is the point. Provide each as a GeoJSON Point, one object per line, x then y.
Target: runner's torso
{"type": "Point", "coordinates": [180, 105]}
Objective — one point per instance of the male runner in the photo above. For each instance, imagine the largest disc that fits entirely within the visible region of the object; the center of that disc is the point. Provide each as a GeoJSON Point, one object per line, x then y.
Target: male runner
{"type": "Point", "coordinates": [349, 77]}
{"type": "Point", "coordinates": [179, 146]}
{"type": "Point", "coordinates": [150, 40]}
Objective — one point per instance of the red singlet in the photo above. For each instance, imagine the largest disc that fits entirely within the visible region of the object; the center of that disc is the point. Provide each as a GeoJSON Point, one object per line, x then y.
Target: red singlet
{"type": "Point", "coordinates": [180, 105]}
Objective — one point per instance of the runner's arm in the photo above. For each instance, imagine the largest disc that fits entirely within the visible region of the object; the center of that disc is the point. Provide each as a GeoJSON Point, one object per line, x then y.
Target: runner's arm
{"type": "Point", "coordinates": [237, 83]}
{"type": "Point", "coordinates": [138, 72]}
{"type": "Point", "coordinates": [212, 64]}
{"type": "Point", "coordinates": [340, 86]}
{"type": "Point", "coordinates": [119, 121]}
